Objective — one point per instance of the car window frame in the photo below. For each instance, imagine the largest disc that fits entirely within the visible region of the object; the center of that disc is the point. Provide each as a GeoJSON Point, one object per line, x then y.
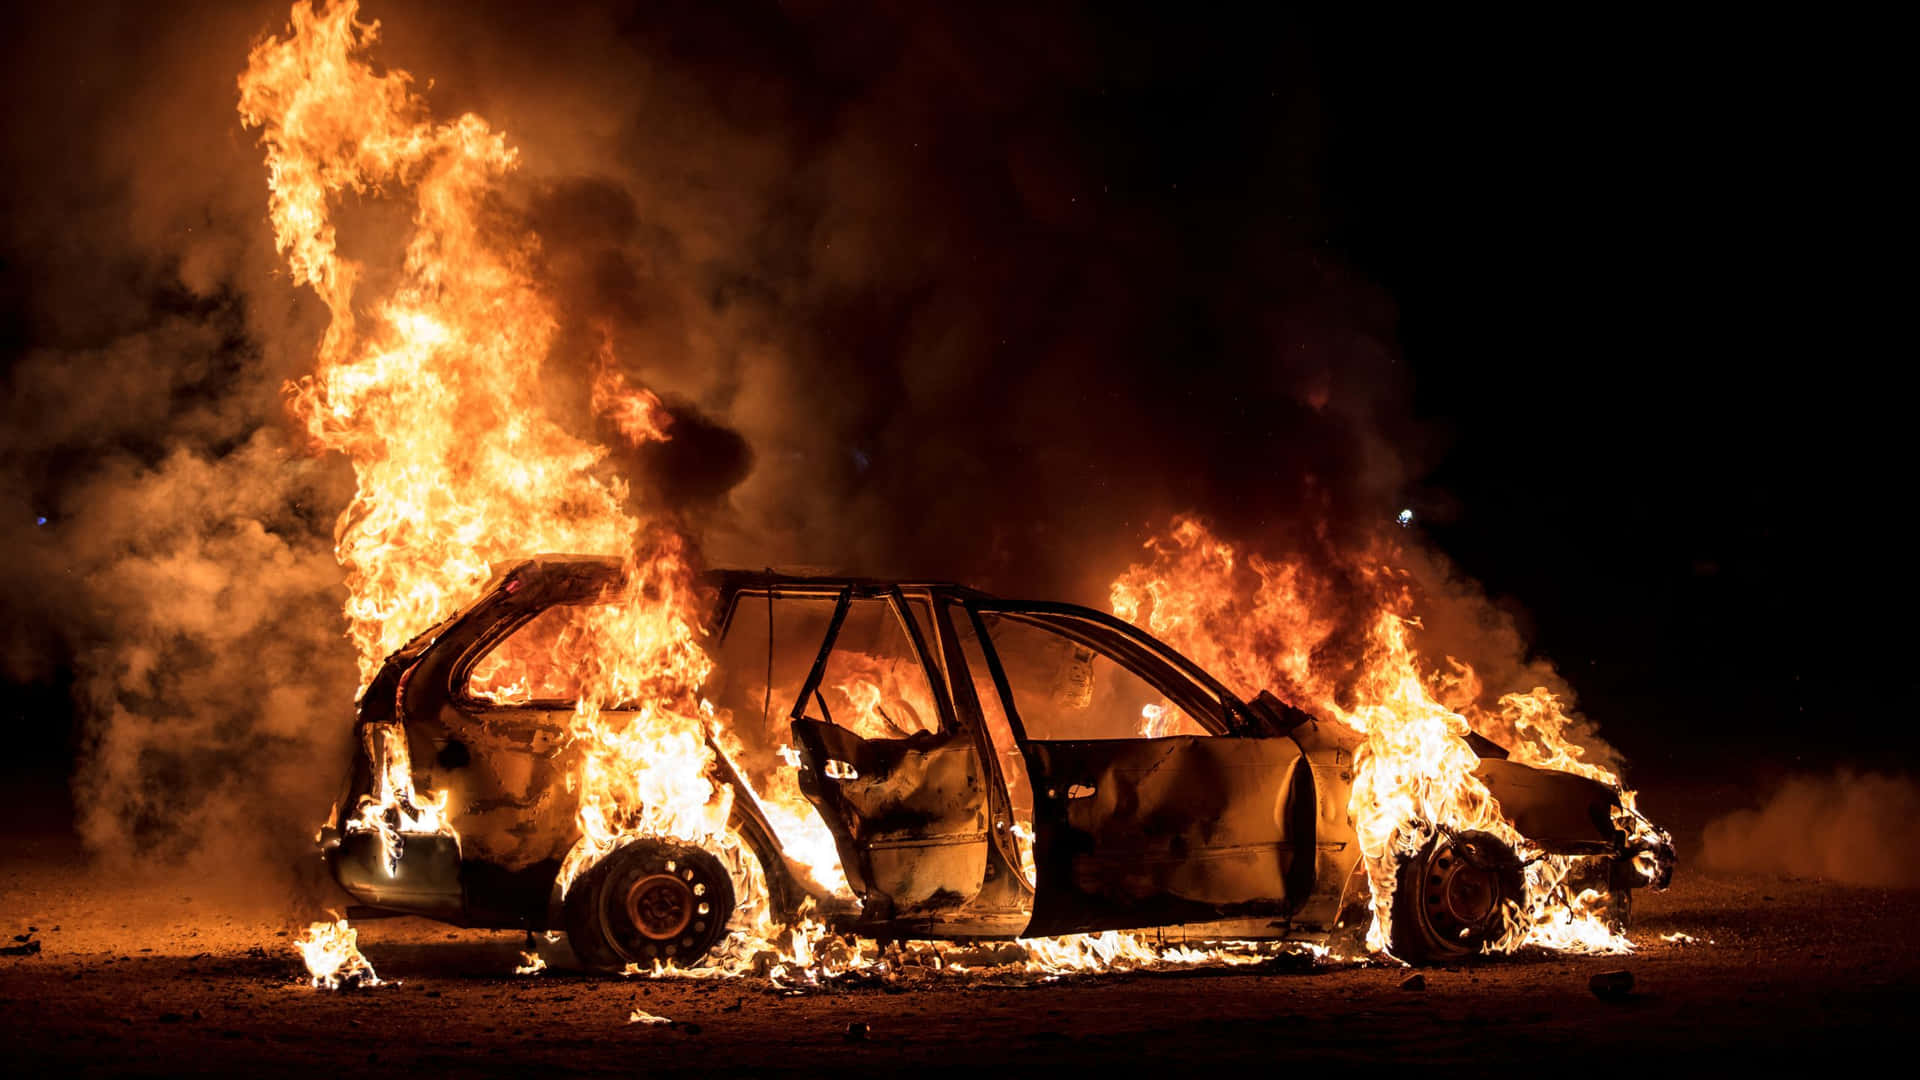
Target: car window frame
{"type": "Point", "coordinates": [492, 638]}
{"type": "Point", "coordinates": [945, 609]}
{"type": "Point", "coordinates": [1179, 679]}
{"type": "Point", "coordinates": [765, 593]}
{"type": "Point", "coordinates": [896, 604]}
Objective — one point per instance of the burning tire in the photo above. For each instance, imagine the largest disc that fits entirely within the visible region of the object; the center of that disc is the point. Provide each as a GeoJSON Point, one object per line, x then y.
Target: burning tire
{"type": "Point", "coordinates": [649, 902]}
{"type": "Point", "coordinates": [1454, 897]}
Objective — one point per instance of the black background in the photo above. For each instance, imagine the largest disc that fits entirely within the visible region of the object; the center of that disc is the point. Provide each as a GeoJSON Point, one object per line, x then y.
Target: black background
{"type": "Point", "coordinates": [1643, 275]}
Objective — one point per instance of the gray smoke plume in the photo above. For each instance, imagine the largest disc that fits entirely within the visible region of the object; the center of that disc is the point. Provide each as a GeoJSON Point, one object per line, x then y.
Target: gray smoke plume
{"type": "Point", "coordinates": [1855, 827]}
{"type": "Point", "coordinates": [170, 537]}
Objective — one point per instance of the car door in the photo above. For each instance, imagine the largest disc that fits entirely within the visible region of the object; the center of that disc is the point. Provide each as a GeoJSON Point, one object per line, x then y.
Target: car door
{"type": "Point", "coordinates": [1147, 812]}
{"type": "Point", "coordinates": [464, 731]}
{"type": "Point", "coordinates": [898, 781]}
{"type": "Point", "coordinates": [503, 757]}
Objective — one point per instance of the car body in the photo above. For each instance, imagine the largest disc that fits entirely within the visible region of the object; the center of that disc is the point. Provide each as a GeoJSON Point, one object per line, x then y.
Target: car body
{"type": "Point", "coordinates": [987, 769]}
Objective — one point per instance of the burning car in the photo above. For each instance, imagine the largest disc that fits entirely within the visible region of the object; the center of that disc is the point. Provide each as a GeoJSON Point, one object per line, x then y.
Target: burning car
{"type": "Point", "coordinates": [917, 761]}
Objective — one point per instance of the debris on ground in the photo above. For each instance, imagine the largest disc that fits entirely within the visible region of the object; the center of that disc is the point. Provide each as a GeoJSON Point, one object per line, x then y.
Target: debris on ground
{"type": "Point", "coordinates": [642, 1016]}
{"type": "Point", "coordinates": [857, 1031]}
{"type": "Point", "coordinates": [1415, 981]}
{"type": "Point", "coordinates": [1612, 985]}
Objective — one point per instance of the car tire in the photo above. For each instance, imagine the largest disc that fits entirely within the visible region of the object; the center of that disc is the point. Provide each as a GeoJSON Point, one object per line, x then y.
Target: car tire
{"type": "Point", "coordinates": [1454, 897]}
{"type": "Point", "coordinates": [650, 902]}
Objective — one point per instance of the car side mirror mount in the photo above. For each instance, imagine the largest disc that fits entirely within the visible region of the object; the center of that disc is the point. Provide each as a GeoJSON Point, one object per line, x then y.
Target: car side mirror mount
{"type": "Point", "coordinates": [1276, 716]}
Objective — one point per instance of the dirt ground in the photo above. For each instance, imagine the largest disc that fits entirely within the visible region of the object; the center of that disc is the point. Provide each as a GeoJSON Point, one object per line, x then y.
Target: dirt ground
{"type": "Point", "coordinates": [150, 979]}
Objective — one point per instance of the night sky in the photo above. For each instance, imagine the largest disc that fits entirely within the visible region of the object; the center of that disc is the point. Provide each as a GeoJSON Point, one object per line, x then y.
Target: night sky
{"type": "Point", "coordinates": [1639, 277]}
{"type": "Point", "coordinates": [1605, 297]}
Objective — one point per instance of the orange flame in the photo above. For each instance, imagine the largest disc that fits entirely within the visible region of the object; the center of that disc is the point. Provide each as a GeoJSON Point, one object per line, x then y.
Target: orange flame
{"type": "Point", "coordinates": [332, 955]}
{"type": "Point", "coordinates": [393, 809]}
{"type": "Point", "coordinates": [437, 400]}
{"type": "Point", "coordinates": [1262, 624]}
{"type": "Point", "coordinates": [433, 391]}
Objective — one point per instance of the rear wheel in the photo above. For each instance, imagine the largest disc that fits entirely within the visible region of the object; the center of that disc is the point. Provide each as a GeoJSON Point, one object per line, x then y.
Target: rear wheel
{"type": "Point", "coordinates": [651, 901]}
{"type": "Point", "coordinates": [1454, 897]}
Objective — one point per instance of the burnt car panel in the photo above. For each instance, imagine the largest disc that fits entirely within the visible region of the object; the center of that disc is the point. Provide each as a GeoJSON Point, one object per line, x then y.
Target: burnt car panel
{"type": "Point", "coordinates": [1327, 750]}
{"type": "Point", "coordinates": [908, 815]}
{"type": "Point", "coordinates": [503, 766]}
{"type": "Point", "coordinates": [1135, 832]}
{"type": "Point", "coordinates": [953, 811]}
{"type": "Point", "coordinates": [1561, 812]}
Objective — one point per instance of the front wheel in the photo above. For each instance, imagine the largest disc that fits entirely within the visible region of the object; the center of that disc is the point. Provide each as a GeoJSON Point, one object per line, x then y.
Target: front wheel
{"type": "Point", "coordinates": [649, 902]}
{"type": "Point", "coordinates": [1459, 893]}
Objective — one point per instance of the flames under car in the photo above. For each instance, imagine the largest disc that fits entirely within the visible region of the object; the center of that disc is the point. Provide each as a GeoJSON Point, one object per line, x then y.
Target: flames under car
{"type": "Point", "coordinates": [986, 769]}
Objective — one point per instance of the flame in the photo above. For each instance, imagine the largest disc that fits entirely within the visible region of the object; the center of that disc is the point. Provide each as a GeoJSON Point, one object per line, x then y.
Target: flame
{"type": "Point", "coordinates": [332, 954]}
{"type": "Point", "coordinates": [812, 957]}
{"type": "Point", "coordinates": [393, 809]}
{"type": "Point", "coordinates": [437, 399]}
{"type": "Point", "coordinates": [879, 697]}
{"type": "Point", "coordinates": [433, 391]}
{"type": "Point", "coordinates": [634, 411]}
{"type": "Point", "coordinates": [804, 837]}
{"type": "Point", "coordinates": [1264, 624]}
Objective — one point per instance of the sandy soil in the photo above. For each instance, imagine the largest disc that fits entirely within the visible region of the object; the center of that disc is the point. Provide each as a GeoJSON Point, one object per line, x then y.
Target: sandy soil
{"type": "Point", "coordinates": [150, 979]}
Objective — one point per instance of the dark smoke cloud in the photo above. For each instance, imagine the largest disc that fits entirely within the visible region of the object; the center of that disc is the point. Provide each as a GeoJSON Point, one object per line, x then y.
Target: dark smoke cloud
{"type": "Point", "coordinates": [182, 580]}
{"type": "Point", "coordinates": [1861, 828]}
{"type": "Point", "coordinates": [974, 296]}
{"type": "Point", "coordinates": [970, 292]}
{"type": "Point", "coordinates": [1458, 621]}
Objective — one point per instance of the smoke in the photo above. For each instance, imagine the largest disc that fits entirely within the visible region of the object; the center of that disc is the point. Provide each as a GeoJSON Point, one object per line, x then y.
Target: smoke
{"type": "Point", "coordinates": [958, 293]}
{"type": "Point", "coordinates": [1860, 828]}
{"type": "Point", "coordinates": [170, 538]}
{"type": "Point", "coordinates": [1489, 657]}
{"type": "Point", "coordinates": [963, 322]}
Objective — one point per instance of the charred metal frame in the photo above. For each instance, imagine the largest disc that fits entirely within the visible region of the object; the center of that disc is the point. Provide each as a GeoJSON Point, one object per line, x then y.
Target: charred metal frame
{"type": "Point", "coordinates": [1243, 832]}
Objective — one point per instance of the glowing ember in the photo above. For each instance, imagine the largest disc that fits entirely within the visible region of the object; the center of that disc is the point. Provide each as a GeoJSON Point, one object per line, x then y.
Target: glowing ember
{"type": "Point", "coordinates": [332, 954]}
{"type": "Point", "coordinates": [816, 958]}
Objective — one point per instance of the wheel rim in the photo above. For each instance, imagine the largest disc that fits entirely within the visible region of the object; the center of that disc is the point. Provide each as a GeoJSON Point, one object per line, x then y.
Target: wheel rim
{"type": "Point", "coordinates": [663, 905]}
{"type": "Point", "coordinates": [660, 906]}
{"type": "Point", "coordinates": [1461, 898]}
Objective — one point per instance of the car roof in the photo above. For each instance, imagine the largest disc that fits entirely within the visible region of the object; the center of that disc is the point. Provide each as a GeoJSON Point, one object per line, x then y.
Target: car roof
{"type": "Point", "coordinates": [555, 567]}
{"type": "Point", "coordinates": [730, 581]}
{"type": "Point", "coordinates": [576, 574]}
